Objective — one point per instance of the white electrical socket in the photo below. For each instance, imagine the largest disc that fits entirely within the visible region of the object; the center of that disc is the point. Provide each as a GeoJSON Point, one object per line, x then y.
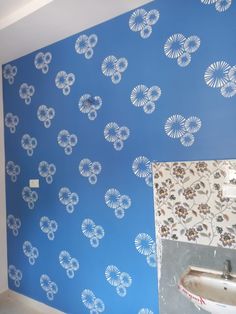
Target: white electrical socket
{"type": "Point", "coordinates": [34, 183]}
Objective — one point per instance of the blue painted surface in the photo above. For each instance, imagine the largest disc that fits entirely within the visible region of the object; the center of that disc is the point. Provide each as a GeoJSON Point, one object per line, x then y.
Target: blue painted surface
{"type": "Point", "coordinates": [184, 91]}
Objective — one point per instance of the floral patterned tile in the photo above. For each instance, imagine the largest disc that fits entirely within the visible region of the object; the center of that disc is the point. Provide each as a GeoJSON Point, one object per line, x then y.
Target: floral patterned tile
{"type": "Point", "coordinates": [190, 204]}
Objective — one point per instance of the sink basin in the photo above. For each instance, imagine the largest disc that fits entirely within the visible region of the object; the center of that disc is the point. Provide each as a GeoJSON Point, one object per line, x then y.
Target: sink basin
{"type": "Point", "coordinates": [208, 290]}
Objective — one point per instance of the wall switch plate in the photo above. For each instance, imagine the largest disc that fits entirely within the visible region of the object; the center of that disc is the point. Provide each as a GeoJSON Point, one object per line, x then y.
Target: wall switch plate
{"type": "Point", "coordinates": [34, 183]}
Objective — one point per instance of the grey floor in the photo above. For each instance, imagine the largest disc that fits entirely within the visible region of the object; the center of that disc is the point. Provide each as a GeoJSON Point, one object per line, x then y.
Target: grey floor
{"type": "Point", "coordinates": [8, 305]}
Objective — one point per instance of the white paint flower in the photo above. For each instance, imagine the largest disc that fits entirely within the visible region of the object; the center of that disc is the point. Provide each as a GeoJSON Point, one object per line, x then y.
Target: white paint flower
{"type": "Point", "coordinates": [49, 286]}
{"type": "Point", "coordinates": [112, 275]}
{"type": "Point", "coordinates": [154, 93]}
{"type": "Point", "coordinates": [88, 298]}
{"type": "Point", "coordinates": [26, 92]}
{"type": "Point", "coordinates": [228, 90]}
{"type": "Point", "coordinates": [223, 5]}
{"type": "Point", "coordinates": [152, 17]}
{"type": "Point", "coordinates": [125, 280]}
{"type": "Point", "coordinates": [144, 243]}
{"type": "Point", "coordinates": [232, 74]}
{"type": "Point", "coordinates": [193, 124]}
{"type": "Point", "coordinates": [137, 20]}
{"type": "Point", "coordinates": [109, 65]}
{"type": "Point", "coordinates": [13, 170]}
{"type": "Point", "coordinates": [85, 167]}
{"type": "Point", "coordinates": [70, 264]}
{"type": "Point", "coordinates": [174, 46]}
{"type": "Point", "coordinates": [9, 73]}
{"type": "Point", "coordinates": [149, 107]}
{"type": "Point", "coordinates": [139, 95]}
{"type": "Point", "coordinates": [81, 44]}
{"type": "Point", "coordinates": [216, 74]}
{"type": "Point", "coordinates": [141, 166]}
{"type": "Point", "coordinates": [29, 144]}
{"type": "Point", "coordinates": [13, 224]}
{"type": "Point", "coordinates": [146, 32]}
{"type": "Point", "coordinates": [121, 65]}
{"type": "Point", "coordinates": [187, 139]}
{"type": "Point", "coordinates": [11, 121]}
{"type": "Point", "coordinates": [192, 44]}
{"type": "Point", "coordinates": [45, 114]}
{"type": "Point", "coordinates": [15, 275]}
{"type": "Point", "coordinates": [64, 81]}
{"type": "Point", "coordinates": [145, 311]}
{"type": "Point", "coordinates": [111, 132]}
{"type": "Point", "coordinates": [175, 126]}
{"type": "Point", "coordinates": [42, 60]}
{"type": "Point", "coordinates": [88, 227]}
{"type": "Point", "coordinates": [184, 59]}
{"type": "Point", "coordinates": [48, 226]}
{"type": "Point", "coordinates": [31, 252]}
{"type": "Point", "coordinates": [112, 198]}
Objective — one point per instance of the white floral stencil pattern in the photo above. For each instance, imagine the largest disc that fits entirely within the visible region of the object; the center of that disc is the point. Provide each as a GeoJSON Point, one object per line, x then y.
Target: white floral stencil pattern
{"type": "Point", "coordinates": [15, 275]}
{"type": "Point", "coordinates": [31, 252]}
{"type": "Point", "coordinates": [190, 204]}
{"type": "Point", "coordinates": [29, 196]}
{"type": "Point", "coordinates": [14, 224]}
{"type": "Point", "coordinates": [113, 67]}
{"type": "Point", "coordinates": [26, 92]}
{"type": "Point", "coordinates": [45, 114]}
{"type": "Point", "coordinates": [42, 60]}
{"type": "Point", "coordinates": [115, 134]}
{"type": "Point", "coordinates": [29, 143]}
{"type": "Point", "coordinates": [92, 231]}
{"type": "Point", "coordinates": [70, 264]}
{"type": "Point", "coordinates": [9, 73]}
{"type": "Point", "coordinates": [11, 122]}
{"type": "Point", "coordinates": [179, 47]}
{"type": "Point", "coordinates": [118, 202]}
{"type": "Point", "coordinates": [49, 286]}
{"type": "Point", "coordinates": [177, 127]}
{"type": "Point", "coordinates": [147, 247]}
{"type": "Point", "coordinates": [142, 96]}
{"type": "Point", "coordinates": [145, 311]}
{"type": "Point", "coordinates": [64, 81]}
{"type": "Point", "coordinates": [12, 170]}
{"type": "Point", "coordinates": [142, 21]}
{"type": "Point", "coordinates": [91, 302]}
{"type": "Point", "coordinates": [118, 279]}
{"type": "Point", "coordinates": [221, 75]}
{"type": "Point", "coordinates": [142, 169]}
{"type": "Point", "coordinates": [89, 105]}
{"type": "Point", "coordinates": [69, 199]}
{"type": "Point", "coordinates": [220, 5]}
{"type": "Point", "coordinates": [86, 44]}
{"type": "Point", "coordinates": [49, 227]}
{"type": "Point", "coordinates": [90, 169]}
{"type": "Point", "coordinates": [67, 141]}
{"type": "Point", "coordinates": [47, 171]}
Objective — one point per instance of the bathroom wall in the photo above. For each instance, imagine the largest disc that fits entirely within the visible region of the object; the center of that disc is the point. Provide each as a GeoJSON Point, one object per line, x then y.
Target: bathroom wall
{"type": "Point", "coordinates": [3, 240]}
{"type": "Point", "coordinates": [201, 256]}
{"type": "Point", "coordinates": [84, 241]}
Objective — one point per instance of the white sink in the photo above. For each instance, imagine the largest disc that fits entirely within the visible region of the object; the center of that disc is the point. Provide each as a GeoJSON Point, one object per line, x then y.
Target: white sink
{"type": "Point", "coordinates": [208, 290]}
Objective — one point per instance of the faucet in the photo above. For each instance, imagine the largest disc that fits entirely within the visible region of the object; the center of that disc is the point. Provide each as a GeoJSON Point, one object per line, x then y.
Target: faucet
{"type": "Point", "coordinates": [227, 270]}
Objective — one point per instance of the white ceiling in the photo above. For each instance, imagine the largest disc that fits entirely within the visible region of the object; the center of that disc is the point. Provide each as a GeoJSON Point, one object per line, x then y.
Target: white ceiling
{"type": "Point", "coordinates": [53, 22]}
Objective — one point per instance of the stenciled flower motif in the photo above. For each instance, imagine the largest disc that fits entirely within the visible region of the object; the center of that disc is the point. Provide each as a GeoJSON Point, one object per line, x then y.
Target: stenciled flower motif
{"type": "Point", "coordinates": [120, 280]}
{"type": "Point", "coordinates": [47, 171]}
{"type": "Point", "coordinates": [91, 302]}
{"type": "Point", "coordinates": [216, 75]}
{"type": "Point", "coordinates": [223, 5]}
{"type": "Point", "coordinates": [67, 141]}
{"type": "Point", "coordinates": [142, 96]}
{"type": "Point", "coordinates": [92, 231]}
{"type": "Point", "coordinates": [45, 114]}
{"type": "Point", "coordinates": [11, 122]}
{"type": "Point", "coordinates": [90, 169]}
{"type": "Point", "coordinates": [174, 46]}
{"type": "Point", "coordinates": [141, 167]}
{"type": "Point", "coordinates": [175, 126]}
{"type": "Point", "coordinates": [227, 239]}
{"type": "Point", "coordinates": [26, 92]}
{"type": "Point", "coordinates": [147, 247]}
{"type": "Point", "coordinates": [49, 286]}
{"type": "Point", "coordinates": [113, 67]}
{"type": "Point", "coordinates": [164, 231]}
{"type": "Point", "coordinates": [42, 60]}
{"type": "Point", "coordinates": [192, 44]}
{"type": "Point", "coordinates": [201, 166]}
{"type": "Point", "coordinates": [48, 226]}
{"type": "Point", "coordinates": [142, 21]}
{"type": "Point", "coordinates": [13, 170]}
{"type": "Point", "coordinates": [15, 275]}
{"type": "Point", "coordinates": [64, 81]}
{"type": "Point", "coordinates": [115, 200]}
{"type": "Point", "coordinates": [68, 263]}
{"type": "Point", "coordinates": [29, 196]}
{"type": "Point", "coordinates": [89, 105]}
{"type": "Point", "coordinates": [31, 252]}
{"type": "Point", "coordinates": [189, 193]}
{"type": "Point", "coordinates": [69, 199]}
{"type": "Point", "coordinates": [145, 311]}
{"type": "Point", "coordinates": [9, 73]}
{"type": "Point", "coordinates": [14, 224]}
{"type": "Point", "coordinates": [115, 134]}
{"type": "Point", "coordinates": [228, 90]}
{"type": "Point", "coordinates": [179, 172]}
{"type": "Point", "coordinates": [29, 144]}
{"type": "Point", "coordinates": [84, 45]}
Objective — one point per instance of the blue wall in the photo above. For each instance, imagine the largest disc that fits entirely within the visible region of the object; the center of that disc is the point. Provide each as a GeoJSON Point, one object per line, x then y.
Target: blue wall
{"type": "Point", "coordinates": [84, 241]}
